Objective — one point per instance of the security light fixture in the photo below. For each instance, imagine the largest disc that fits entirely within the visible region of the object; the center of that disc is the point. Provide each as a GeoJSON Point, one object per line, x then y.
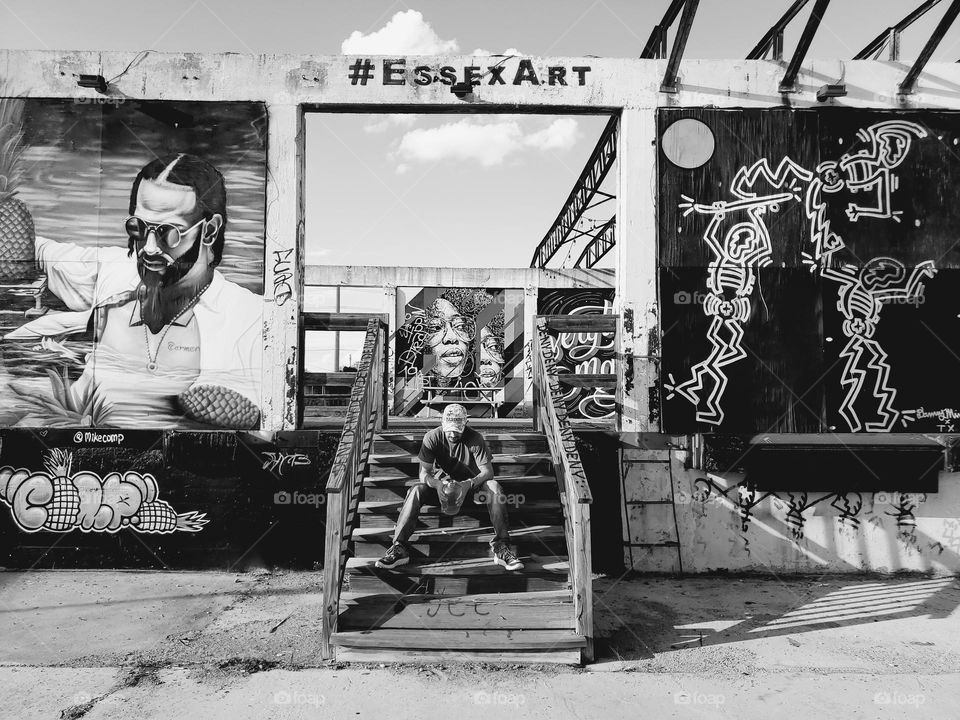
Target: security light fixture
{"type": "Point", "coordinates": [462, 89]}
{"type": "Point", "coordinates": [97, 82]}
{"type": "Point", "coordinates": [831, 90]}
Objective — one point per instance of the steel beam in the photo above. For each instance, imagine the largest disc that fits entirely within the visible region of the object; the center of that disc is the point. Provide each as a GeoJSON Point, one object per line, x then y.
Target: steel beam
{"type": "Point", "coordinates": [669, 84]}
{"type": "Point", "coordinates": [774, 37]}
{"type": "Point", "coordinates": [602, 243]}
{"type": "Point", "coordinates": [909, 82]}
{"type": "Point", "coordinates": [891, 36]}
{"type": "Point", "coordinates": [809, 30]}
{"type": "Point", "coordinates": [656, 46]}
{"type": "Point", "coordinates": [580, 198]}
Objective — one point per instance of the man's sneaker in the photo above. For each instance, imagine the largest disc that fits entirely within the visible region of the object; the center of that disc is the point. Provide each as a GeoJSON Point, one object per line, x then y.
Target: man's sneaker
{"type": "Point", "coordinates": [505, 556]}
{"type": "Point", "coordinates": [396, 556]}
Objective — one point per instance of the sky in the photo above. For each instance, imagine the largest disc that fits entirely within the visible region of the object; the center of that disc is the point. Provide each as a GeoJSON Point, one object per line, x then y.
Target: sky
{"type": "Point", "coordinates": [471, 191]}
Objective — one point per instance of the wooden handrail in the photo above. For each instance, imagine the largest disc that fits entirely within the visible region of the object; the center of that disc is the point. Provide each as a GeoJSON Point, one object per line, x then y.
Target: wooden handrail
{"type": "Point", "coordinates": [550, 416]}
{"type": "Point", "coordinates": [363, 419]}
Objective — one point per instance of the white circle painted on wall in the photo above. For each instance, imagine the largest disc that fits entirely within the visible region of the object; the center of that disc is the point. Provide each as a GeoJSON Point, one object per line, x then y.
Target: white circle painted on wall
{"type": "Point", "coordinates": [688, 143]}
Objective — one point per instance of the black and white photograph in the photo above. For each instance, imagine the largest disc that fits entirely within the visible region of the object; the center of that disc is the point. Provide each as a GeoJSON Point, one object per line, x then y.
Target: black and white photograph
{"type": "Point", "coordinates": [408, 359]}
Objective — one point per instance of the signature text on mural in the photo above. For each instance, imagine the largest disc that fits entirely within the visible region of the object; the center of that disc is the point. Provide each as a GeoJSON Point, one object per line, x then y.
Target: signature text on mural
{"type": "Point", "coordinates": [278, 461]}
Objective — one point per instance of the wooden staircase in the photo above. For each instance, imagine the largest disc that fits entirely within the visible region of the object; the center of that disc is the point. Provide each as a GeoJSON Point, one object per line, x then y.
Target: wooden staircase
{"type": "Point", "coordinates": [451, 602]}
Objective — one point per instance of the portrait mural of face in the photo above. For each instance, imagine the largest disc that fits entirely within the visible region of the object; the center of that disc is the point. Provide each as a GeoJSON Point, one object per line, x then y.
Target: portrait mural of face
{"type": "Point", "coordinates": [146, 312]}
{"type": "Point", "coordinates": [451, 342]}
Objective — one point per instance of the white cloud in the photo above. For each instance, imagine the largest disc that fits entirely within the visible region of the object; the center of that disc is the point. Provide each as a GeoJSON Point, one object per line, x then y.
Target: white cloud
{"type": "Point", "coordinates": [508, 51]}
{"type": "Point", "coordinates": [406, 33]}
{"type": "Point", "coordinates": [484, 142]}
{"type": "Point", "coordinates": [561, 134]}
{"type": "Point", "coordinates": [384, 123]}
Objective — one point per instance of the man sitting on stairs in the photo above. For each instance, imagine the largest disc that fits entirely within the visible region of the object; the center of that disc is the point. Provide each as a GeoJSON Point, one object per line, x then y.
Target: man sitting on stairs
{"type": "Point", "coordinates": [455, 462]}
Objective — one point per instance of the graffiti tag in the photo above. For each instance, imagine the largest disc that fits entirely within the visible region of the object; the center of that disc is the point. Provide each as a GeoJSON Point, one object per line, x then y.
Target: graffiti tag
{"type": "Point", "coordinates": [279, 461]}
{"type": "Point", "coordinates": [282, 276]}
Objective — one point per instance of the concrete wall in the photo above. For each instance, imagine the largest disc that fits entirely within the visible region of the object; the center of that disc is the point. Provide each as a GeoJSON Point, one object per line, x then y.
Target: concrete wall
{"type": "Point", "coordinates": [681, 519]}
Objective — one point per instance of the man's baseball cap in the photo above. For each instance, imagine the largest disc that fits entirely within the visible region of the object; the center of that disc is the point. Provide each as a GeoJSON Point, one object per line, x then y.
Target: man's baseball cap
{"type": "Point", "coordinates": [454, 418]}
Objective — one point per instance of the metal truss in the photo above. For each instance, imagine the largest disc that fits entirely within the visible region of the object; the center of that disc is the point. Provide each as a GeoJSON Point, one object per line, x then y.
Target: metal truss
{"type": "Point", "coordinates": [581, 198]}
{"type": "Point", "coordinates": [890, 38]}
{"type": "Point", "coordinates": [656, 46]}
{"type": "Point", "coordinates": [602, 243]}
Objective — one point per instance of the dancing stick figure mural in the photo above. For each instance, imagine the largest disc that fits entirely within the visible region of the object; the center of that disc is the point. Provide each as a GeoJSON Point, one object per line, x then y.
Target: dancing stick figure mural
{"type": "Point", "coordinates": [740, 244]}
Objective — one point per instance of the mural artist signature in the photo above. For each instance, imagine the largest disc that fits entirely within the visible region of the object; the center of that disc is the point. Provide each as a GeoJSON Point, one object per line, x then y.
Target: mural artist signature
{"type": "Point", "coordinates": [277, 462]}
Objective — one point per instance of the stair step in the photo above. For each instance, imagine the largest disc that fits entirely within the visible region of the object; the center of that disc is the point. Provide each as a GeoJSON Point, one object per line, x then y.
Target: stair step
{"type": "Point", "coordinates": [504, 465]}
{"type": "Point", "coordinates": [394, 487]}
{"type": "Point", "coordinates": [457, 576]}
{"type": "Point", "coordinates": [452, 639]}
{"type": "Point", "coordinates": [503, 443]}
{"type": "Point", "coordinates": [547, 610]}
{"type": "Point", "coordinates": [397, 478]}
{"type": "Point", "coordinates": [380, 513]}
{"type": "Point", "coordinates": [555, 564]}
{"type": "Point", "coordinates": [498, 458]}
{"type": "Point", "coordinates": [460, 542]}
{"type": "Point", "coordinates": [446, 657]}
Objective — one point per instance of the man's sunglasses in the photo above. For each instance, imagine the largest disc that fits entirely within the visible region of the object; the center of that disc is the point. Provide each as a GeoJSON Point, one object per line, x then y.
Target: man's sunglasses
{"type": "Point", "coordinates": [167, 234]}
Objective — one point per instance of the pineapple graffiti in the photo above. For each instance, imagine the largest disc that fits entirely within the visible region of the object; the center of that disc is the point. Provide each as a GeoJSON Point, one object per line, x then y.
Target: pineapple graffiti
{"type": "Point", "coordinates": [60, 500]}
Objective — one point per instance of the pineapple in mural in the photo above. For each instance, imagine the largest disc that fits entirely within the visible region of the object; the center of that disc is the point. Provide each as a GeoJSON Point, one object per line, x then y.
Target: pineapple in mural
{"type": "Point", "coordinates": [219, 405]}
{"type": "Point", "coordinates": [157, 516]}
{"type": "Point", "coordinates": [16, 224]}
{"type": "Point", "coordinates": [64, 506]}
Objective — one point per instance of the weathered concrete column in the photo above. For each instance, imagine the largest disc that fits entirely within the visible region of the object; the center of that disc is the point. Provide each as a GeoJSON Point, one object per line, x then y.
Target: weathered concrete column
{"type": "Point", "coordinates": [283, 267]}
{"type": "Point", "coordinates": [636, 281]}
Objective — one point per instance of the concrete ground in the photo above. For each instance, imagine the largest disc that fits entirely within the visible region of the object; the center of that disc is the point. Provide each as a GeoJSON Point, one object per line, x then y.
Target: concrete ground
{"type": "Point", "coordinates": [216, 645]}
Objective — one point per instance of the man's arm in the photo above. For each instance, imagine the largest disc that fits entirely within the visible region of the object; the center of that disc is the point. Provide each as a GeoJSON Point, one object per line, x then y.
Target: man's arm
{"type": "Point", "coordinates": [428, 475]}
{"type": "Point", "coordinates": [484, 460]}
{"type": "Point", "coordinates": [71, 271]}
{"type": "Point", "coordinates": [486, 473]}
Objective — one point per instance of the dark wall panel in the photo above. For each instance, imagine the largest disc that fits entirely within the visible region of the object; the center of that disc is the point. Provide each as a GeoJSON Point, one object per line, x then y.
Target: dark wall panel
{"type": "Point", "coordinates": [807, 262]}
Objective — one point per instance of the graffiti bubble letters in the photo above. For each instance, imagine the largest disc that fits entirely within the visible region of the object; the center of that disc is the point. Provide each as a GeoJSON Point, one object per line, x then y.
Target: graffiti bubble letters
{"type": "Point", "coordinates": [277, 462]}
{"type": "Point", "coordinates": [59, 500]}
{"type": "Point", "coordinates": [282, 275]}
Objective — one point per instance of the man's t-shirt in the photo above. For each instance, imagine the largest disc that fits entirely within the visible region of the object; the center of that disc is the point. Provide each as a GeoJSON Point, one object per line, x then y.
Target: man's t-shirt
{"type": "Point", "coordinates": [461, 460]}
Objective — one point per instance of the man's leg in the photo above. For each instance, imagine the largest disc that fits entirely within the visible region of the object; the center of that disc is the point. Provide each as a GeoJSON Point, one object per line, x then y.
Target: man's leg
{"type": "Point", "coordinates": [407, 521]}
{"type": "Point", "coordinates": [496, 502]}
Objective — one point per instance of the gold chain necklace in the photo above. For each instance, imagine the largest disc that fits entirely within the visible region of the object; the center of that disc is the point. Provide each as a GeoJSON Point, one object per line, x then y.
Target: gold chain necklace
{"type": "Point", "coordinates": [152, 361]}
